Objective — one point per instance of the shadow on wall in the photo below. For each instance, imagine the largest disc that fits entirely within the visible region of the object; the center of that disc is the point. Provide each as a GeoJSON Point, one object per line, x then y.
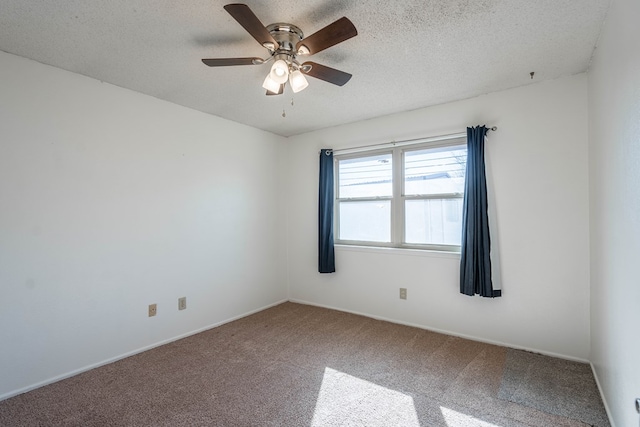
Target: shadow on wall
{"type": "Point", "coordinates": [496, 264]}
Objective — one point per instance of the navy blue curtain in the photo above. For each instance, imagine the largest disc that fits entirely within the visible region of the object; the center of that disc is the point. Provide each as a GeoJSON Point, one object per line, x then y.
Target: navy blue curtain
{"type": "Point", "coordinates": [326, 257]}
{"type": "Point", "coordinates": [475, 260]}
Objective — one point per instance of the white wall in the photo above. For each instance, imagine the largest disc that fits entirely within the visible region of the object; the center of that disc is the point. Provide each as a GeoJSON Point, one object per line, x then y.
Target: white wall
{"type": "Point", "coordinates": [112, 200]}
{"type": "Point", "coordinates": [614, 160]}
{"type": "Point", "coordinates": [537, 167]}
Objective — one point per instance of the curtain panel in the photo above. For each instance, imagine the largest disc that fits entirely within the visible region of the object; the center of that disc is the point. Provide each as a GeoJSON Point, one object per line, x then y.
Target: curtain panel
{"type": "Point", "coordinates": [326, 256]}
{"type": "Point", "coordinates": [475, 258]}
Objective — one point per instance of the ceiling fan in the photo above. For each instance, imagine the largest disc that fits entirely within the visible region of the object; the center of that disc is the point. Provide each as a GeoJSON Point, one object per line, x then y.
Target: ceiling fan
{"type": "Point", "coordinates": [285, 43]}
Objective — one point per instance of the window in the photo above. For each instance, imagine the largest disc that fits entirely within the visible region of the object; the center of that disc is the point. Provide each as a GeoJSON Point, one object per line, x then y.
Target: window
{"type": "Point", "coordinates": [408, 196]}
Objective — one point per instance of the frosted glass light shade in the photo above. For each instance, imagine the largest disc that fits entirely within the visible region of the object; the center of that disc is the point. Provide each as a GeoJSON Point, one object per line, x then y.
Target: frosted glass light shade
{"type": "Point", "coordinates": [298, 81]}
{"type": "Point", "coordinates": [271, 85]}
{"type": "Point", "coordinates": [279, 71]}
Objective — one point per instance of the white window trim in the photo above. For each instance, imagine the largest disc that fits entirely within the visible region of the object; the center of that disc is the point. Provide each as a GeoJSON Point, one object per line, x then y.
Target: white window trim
{"type": "Point", "coordinates": [398, 197]}
{"type": "Point", "coordinates": [398, 251]}
{"type": "Point", "coordinates": [435, 140]}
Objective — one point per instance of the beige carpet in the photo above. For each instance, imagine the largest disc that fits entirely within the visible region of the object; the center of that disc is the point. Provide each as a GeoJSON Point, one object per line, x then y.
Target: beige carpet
{"type": "Point", "coordinates": [556, 386]}
{"type": "Point", "coordinates": [295, 365]}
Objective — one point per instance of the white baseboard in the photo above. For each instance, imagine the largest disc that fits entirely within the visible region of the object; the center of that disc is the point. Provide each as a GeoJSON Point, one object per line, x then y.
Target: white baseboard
{"type": "Point", "coordinates": [446, 332]}
{"type": "Point", "coordinates": [131, 353]}
{"type": "Point", "coordinates": [602, 396]}
{"type": "Point", "coordinates": [400, 322]}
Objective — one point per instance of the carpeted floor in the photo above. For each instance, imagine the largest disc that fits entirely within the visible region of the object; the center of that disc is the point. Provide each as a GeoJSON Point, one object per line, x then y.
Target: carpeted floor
{"type": "Point", "coordinates": [552, 385]}
{"type": "Point", "coordinates": [298, 365]}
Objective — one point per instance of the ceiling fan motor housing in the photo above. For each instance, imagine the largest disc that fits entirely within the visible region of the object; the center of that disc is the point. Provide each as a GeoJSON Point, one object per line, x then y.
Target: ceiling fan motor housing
{"type": "Point", "coordinates": [287, 36]}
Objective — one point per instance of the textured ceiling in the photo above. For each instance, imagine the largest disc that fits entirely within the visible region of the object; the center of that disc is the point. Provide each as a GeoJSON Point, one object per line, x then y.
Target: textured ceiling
{"type": "Point", "coordinates": [408, 54]}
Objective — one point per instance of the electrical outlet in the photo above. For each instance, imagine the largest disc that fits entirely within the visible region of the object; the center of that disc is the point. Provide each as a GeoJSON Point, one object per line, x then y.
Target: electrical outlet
{"type": "Point", "coordinates": [403, 293]}
{"type": "Point", "coordinates": [153, 310]}
{"type": "Point", "coordinates": [182, 303]}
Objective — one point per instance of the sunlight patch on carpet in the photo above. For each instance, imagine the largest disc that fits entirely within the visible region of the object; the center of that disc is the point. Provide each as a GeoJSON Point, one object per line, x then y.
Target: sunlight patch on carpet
{"type": "Point", "coordinates": [458, 419]}
{"type": "Point", "coordinates": [347, 400]}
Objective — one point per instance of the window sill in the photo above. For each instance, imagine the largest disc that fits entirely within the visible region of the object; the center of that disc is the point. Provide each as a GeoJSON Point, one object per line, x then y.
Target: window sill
{"type": "Point", "coordinates": [398, 251]}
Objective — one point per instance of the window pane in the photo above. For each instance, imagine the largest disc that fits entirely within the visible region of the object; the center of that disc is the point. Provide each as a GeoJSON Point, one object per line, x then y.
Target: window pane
{"type": "Point", "coordinates": [366, 221]}
{"type": "Point", "coordinates": [435, 171]}
{"type": "Point", "coordinates": [433, 221]}
{"type": "Point", "coordinates": [365, 177]}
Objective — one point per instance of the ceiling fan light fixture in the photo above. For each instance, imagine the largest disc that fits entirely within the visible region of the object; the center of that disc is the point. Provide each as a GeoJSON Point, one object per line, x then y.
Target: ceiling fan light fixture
{"type": "Point", "coordinates": [298, 81]}
{"type": "Point", "coordinates": [271, 85]}
{"type": "Point", "coordinates": [284, 43]}
{"type": "Point", "coordinates": [279, 71]}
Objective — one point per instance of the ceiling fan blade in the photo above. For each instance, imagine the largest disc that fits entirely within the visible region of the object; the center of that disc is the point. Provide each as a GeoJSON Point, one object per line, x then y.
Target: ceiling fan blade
{"type": "Point", "coordinates": [251, 23]}
{"type": "Point", "coordinates": [325, 73]}
{"type": "Point", "coordinates": [225, 62]}
{"type": "Point", "coordinates": [280, 91]}
{"type": "Point", "coordinates": [331, 35]}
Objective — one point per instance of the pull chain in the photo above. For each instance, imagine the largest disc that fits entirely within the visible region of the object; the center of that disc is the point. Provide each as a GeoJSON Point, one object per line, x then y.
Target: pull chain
{"type": "Point", "coordinates": [284, 113]}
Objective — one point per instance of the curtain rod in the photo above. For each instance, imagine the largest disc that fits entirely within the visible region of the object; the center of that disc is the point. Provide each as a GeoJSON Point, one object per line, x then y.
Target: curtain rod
{"type": "Point", "coordinates": [404, 142]}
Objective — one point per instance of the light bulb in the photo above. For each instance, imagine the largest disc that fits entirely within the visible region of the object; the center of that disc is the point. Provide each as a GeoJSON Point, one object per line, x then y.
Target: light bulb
{"type": "Point", "coordinates": [271, 85]}
{"type": "Point", "coordinates": [298, 81]}
{"type": "Point", "coordinates": [279, 71]}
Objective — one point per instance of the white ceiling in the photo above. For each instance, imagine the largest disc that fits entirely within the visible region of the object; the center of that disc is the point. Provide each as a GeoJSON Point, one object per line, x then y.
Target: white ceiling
{"type": "Point", "coordinates": [408, 54]}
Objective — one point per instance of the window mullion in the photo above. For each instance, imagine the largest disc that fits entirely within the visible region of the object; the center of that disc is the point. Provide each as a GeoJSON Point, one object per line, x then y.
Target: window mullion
{"type": "Point", "coordinates": [434, 196]}
{"type": "Point", "coordinates": [364, 199]}
{"type": "Point", "coordinates": [397, 217]}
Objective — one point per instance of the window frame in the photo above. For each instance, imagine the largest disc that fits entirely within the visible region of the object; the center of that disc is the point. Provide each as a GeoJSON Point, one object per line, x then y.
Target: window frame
{"type": "Point", "coordinates": [398, 197]}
